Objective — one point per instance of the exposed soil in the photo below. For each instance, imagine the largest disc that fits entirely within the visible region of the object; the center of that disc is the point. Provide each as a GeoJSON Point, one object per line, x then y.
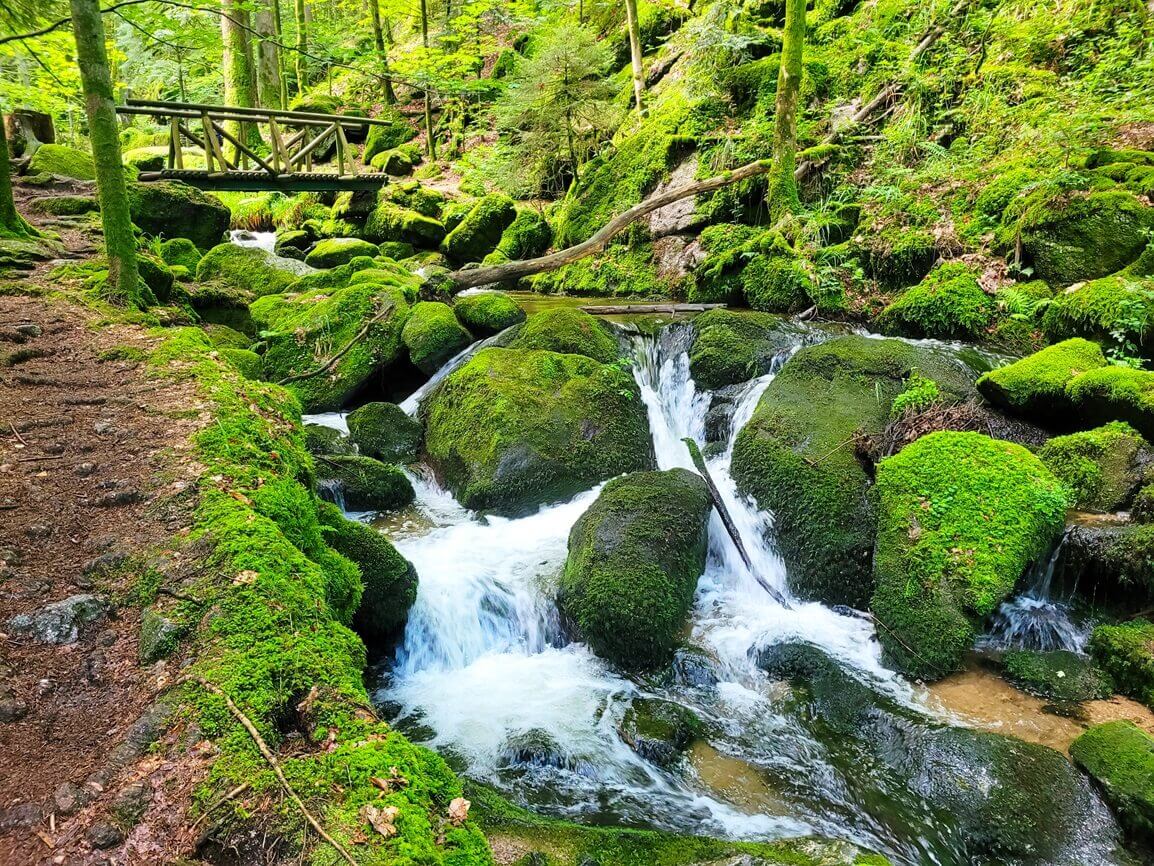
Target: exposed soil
{"type": "Point", "coordinates": [91, 451]}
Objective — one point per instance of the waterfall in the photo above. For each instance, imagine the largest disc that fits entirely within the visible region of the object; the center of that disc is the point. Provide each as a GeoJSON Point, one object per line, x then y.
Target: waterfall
{"type": "Point", "coordinates": [261, 240]}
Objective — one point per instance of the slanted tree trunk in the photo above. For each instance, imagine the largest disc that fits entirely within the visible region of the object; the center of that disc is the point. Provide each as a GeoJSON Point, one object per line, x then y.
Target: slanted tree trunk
{"type": "Point", "coordinates": [382, 50]}
{"type": "Point", "coordinates": [123, 284]}
{"type": "Point", "coordinates": [300, 13]}
{"type": "Point", "coordinates": [634, 28]}
{"type": "Point", "coordinates": [239, 73]}
{"type": "Point", "coordinates": [782, 195]}
{"type": "Point", "coordinates": [12, 225]}
{"type": "Point", "coordinates": [268, 84]}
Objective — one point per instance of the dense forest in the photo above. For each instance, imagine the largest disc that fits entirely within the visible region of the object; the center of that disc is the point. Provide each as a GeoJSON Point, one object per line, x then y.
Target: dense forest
{"type": "Point", "coordinates": [577, 432]}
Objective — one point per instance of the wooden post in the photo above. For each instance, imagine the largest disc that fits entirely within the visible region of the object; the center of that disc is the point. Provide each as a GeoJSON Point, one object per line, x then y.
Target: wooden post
{"type": "Point", "coordinates": [343, 150]}
{"type": "Point", "coordinates": [177, 151]}
{"type": "Point", "coordinates": [205, 123]}
{"type": "Point", "coordinates": [339, 138]}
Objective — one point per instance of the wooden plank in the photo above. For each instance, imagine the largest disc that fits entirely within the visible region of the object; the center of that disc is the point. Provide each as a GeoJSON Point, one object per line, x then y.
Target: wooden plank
{"type": "Point", "coordinates": [259, 181]}
{"type": "Point", "coordinates": [244, 148]}
{"type": "Point", "coordinates": [139, 106]}
{"type": "Point", "coordinates": [177, 149]}
{"type": "Point", "coordinates": [214, 143]}
{"type": "Point", "coordinates": [339, 137]}
{"type": "Point", "coordinates": [618, 309]}
{"type": "Point", "coordinates": [345, 152]}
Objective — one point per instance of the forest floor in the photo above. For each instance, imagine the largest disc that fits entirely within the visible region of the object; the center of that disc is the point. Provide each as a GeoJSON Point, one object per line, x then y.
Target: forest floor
{"type": "Point", "coordinates": [88, 446]}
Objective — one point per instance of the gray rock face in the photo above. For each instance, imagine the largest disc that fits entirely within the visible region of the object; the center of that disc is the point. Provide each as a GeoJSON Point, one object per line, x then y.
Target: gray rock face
{"type": "Point", "coordinates": [61, 621]}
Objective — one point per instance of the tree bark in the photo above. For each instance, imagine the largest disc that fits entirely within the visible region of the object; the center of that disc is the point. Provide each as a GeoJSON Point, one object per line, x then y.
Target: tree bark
{"type": "Point", "coordinates": [240, 87]}
{"type": "Point", "coordinates": [382, 50]}
{"type": "Point", "coordinates": [634, 27]}
{"type": "Point", "coordinates": [782, 194]}
{"type": "Point", "coordinates": [300, 12]}
{"type": "Point", "coordinates": [471, 277]}
{"type": "Point", "coordinates": [123, 284]}
{"type": "Point", "coordinates": [12, 225]}
{"type": "Point", "coordinates": [430, 142]}
{"type": "Point", "coordinates": [268, 84]}
{"type": "Point", "coordinates": [282, 76]}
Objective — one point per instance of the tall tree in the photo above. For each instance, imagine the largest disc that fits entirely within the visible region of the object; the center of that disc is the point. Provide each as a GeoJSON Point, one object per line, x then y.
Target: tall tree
{"type": "Point", "coordinates": [382, 50]}
{"type": "Point", "coordinates": [782, 195]}
{"type": "Point", "coordinates": [268, 84]}
{"type": "Point", "coordinates": [634, 27]}
{"type": "Point", "coordinates": [123, 284]}
{"type": "Point", "coordinates": [238, 66]}
{"type": "Point", "coordinates": [430, 141]}
{"type": "Point", "coordinates": [301, 14]}
{"type": "Point", "coordinates": [278, 29]}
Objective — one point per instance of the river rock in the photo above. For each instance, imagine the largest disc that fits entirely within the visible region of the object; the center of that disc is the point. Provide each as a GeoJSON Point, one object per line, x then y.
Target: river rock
{"type": "Point", "coordinates": [365, 484]}
{"type": "Point", "coordinates": [159, 636]}
{"type": "Point", "coordinates": [61, 621]}
{"type": "Point", "coordinates": [731, 347]}
{"type": "Point", "coordinates": [322, 440]}
{"type": "Point", "coordinates": [487, 313]}
{"type": "Point", "coordinates": [1125, 650]}
{"type": "Point", "coordinates": [384, 431]}
{"type": "Point", "coordinates": [1111, 560]}
{"type": "Point", "coordinates": [1103, 467]}
{"type": "Point", "coordinates": [659, 731]}
{"type": "Point", "coordinates": [1035, 386]}
{"type": "Point", "coordinates": [634, 560]}
{"type": "Point", "coordinates": [569, 331]}
{"type": "Point", "coordinates": [251, 270]}
{"type": "Point", "coordinates": [511, 429]}
{"type": "Point", "coordinates": [481, 229]}
{"type": "Point", "coordinates": [796, 455]}
{"type": "Point", "coordinates": [433, 335]}
{"type": "Point", "coordinates": [172, 209]}
{"type": "Point", "coordinates": [1119, 756]}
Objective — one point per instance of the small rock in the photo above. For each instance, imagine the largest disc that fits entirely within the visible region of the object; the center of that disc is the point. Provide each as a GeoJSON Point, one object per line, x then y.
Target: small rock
{"type": "Point", "coordinates": [10, 556]}
{"type": "Point", "coordinates": [693, 669]}
{"type": "Point", "coordinates": [158, 636]}
{"type": "Point", "coordinates": [107, 637]}
{"type": "Point", "coordinates": [104, 427]}
{"type": "Point", "coordinates": [12, 709]}
{"type": "Point", "coordinates": [105, 563]}
{"type": "Point", "coordinates": [95, 666]}
{"type": "Point", "coordinates": [21, 815]}
{"type": "Point", "coordinates": [38, 530]}
{"type": "Point", "coordinates": [29, 330]}
{"type": "Point", "coordinates": [70, 798]}
{"type": "Point", "coordinates": [103, 835]}
{"type": "Point", "coordinates": [131, 802]}
{"type": "Point", "coordinates": [119, 498]}
{"type": "Point", "coordinates": [85, 469]}
{"type": "Point", "coordinates": [60, 622]}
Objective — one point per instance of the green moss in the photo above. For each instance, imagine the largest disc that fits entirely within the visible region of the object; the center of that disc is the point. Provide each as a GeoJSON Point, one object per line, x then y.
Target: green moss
{"type": "Point", "coordinates": [961, 517]}
{"type": "Point", "coordinates": [433, 335]}
{"type": "Point", "coordinates": [1116, 309]}
{"type": "Point", "coordinates": [414, 196]}
{"type": "Point", "coordinates": [796, 456]}
{"type": "Point", "coordinates": [717, 279]}
{"type": "Point", "coordinates": [948, 304]}
{"type": "Point", "coordinates": [659, 730]}
{"type": "Point", "coordinates": [366, 484]}
{"type": "Point", "coordinates": [392, 222]}
{"type": "Point", "coordinates": [1119, 756]}
{"type": "Point", "coordinates": [390, 580]}
{"type": "Point", "coordinates": [619, 270]}
{"type": "Point", "coordinates": [384, 431]}
{"type": "Point", "coordinates": [1063, 676]}
{"type": "Point", "coordinates": [894, 254]}
{"type": "Point", "coordinates": [63, 161]}
{"type": "Point", "coordinates": [181, 251]}
{"type": "Point", "coordinates": [511, 429]}
{"type": "Point", "coordinates": [1102, 467]}
{"type": "Point", "coordinates": [248, 269]}
{"type": "Point", "coordinates": [331, 252]}
{"type": "Point", "coordinates": [527, 237]}
{"type": "Point", "coordinates": [1115, 393]}
{"type": "Point", "coordinates": [248, 363]}
{"type": "Point", "coordinates": [1036, 386]}
{"type": "Point", "coordinates": [777, 284]}
{"type": "Point", "coordinates": [1126, 652]}
{"type": "Point", "coordinates": [395, 161]}
{"type": "Point", "coordinates": [487, 313]}
{"type": "Point", "coordinates": [157, 276]}
{"type": "Point", "coordinates": [386, 137]}
{"type": "Point", "coordinates": [322, 441]}
{"type": "Point", "coordinates": [223, 337]}
{"type": "Point", "coordinates": [731, 347]}
{"type": "Point", "coordinates": [481, 229]}
{"type": "Point", "coordinates": [65, 205]}
{"type": "Point", "coordinates": [172, 209]}
{"type": "Point", "coordinates": [569, 331]}
{"type": "Point", "coordinates": [634, 559]}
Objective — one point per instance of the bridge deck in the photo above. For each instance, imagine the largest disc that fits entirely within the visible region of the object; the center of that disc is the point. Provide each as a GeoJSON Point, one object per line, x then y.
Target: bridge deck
{"type": "Point", "coordinates": [261, 181]}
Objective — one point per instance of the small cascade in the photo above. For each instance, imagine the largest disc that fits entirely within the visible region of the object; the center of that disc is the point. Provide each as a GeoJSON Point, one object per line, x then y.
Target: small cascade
{"type": "Point", "coordinates": [1034, 620]}
{"type": "Point", "coordinates": [332, 490]}
{"type": "Point", "coordinates": [413, 402]}
{"type": "Point", "coordinates": [260, 240]}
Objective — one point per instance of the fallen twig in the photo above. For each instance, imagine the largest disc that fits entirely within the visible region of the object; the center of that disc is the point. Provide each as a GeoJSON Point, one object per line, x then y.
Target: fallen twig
{"type": "Point", "coordinates": [388, 308]}
{"type": "Point", "coordinates": [16, 433]}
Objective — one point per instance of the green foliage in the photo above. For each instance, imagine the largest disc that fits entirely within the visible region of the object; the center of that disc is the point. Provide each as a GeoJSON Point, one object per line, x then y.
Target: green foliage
{"type": "Point", "coordinates": [634, 559]}
{"type": "Point", "coordinates": [1116, 310]}
{"type": "Point", "coordinates": [569, 331]}
{"type": "Point", "coordinates": [961, 517]}
{"type": "Point", "coordinates": [918, 395]}
{"type": "Point", "coordinates": [948, 304]}
{"type": "Point", "coordinates": [433, 335]}
{"type": "Point", "coordinates": [1120, 757]}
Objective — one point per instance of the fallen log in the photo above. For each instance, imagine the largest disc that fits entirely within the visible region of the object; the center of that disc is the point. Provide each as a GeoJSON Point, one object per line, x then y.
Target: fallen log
{"type": "Point", "coordinates": [619, 309]}
{"type": "Point", "coordinates": [730, 526]}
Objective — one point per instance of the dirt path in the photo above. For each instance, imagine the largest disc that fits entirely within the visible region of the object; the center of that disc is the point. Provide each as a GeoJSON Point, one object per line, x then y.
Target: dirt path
{"type": "Point", "coordinates": [88, 446]}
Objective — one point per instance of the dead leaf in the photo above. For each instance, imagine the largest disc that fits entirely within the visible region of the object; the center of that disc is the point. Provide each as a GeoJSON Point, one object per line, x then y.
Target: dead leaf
{"type": "Point", "coordinates": [382, 819]}
{"type": "Point", "coordinates": [459, 811]}
{"type": "Point", "coordinates": [245, 577]}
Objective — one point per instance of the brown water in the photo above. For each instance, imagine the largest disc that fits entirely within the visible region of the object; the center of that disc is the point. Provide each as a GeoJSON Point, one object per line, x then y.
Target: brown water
{"type": "Point", "coordinates": [735, 781]}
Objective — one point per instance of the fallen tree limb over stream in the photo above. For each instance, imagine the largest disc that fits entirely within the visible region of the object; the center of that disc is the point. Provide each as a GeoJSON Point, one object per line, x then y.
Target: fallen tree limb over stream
{"type": "Point", "coordinates": [618, 309]}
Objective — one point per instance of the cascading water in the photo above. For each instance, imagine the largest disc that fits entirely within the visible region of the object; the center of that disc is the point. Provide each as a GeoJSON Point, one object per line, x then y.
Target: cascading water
{"type": "Point", "coordinates": [260, 240]}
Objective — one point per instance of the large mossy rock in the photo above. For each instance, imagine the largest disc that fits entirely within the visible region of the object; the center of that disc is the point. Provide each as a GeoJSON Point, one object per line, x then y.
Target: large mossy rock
{"type": "Point", "coordinates": [1087, 237]}
{"type": "Point", "coordinates": [512, 429]}
{"type": "Point", "coordinates": [384, 431]}
{"type": "Point", "coordinates": [961, 518]}
{"type": "Point", "coordinates": [527, 237]}
{"type": "Point", "coordinates": [1103, 467]}
{"type": "Point", "coordinates": [569, 331]}
{"type": "Point", "coordinates": [1115, 394]}
{"type": "Point", "coordinates": [1116, 308]}
{"type": "Point", "coordinates": [1007, 801]}
{"type": "Point", "coordinates": [181, 251]}
{"type": "Point", "coordinates": [389, 222]}
{"type": "Point", "coordinates": [1126, 652]}
{"type": "Point", "coordinates": [62, 161]}
{"type": "Point", "coordinates": [731, 347]}
{"type": "Point", "coordinates": [948, 304]}
{"type": "Point", "coordinates": [1035, 386]}
{"type": "Point", "coordinates": [249, 269]}
{"type": "Point", "coordinates": [332, 252]}
{"type": "Point", "coordinates": [659, 731]}
{"type": "Point", "coordinates": [487, 313]}
{"type": "Point", "coordinates": [1111, 560]}
{"type": "Point", "coordinates": [364, 484]}
{"type": "Point", "coordinates": [172, 209]}
{"type": "Point", "coordinates": [1065, 677]}
{"type": "Point", "coordinates": [795, 456]}
{"type": "Point", "coordinates": [634, 560]}
{"type": "Point", "coordinates": [433, 336]}
{"type": "Point", "coordinates": [481, 229]}
{"type": "Point", "coordinates": [386, 136]}
{"type": "Point", "coordinates": [390, 580]}
{"type": "Point", "coordinates": [1119, 756]}
{"type": "Point", "coordinates": [308, 329]}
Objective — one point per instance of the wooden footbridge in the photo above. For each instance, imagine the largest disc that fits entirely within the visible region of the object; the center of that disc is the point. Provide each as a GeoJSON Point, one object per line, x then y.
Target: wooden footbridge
{"type": "Point", "coordinates": [290, 142]}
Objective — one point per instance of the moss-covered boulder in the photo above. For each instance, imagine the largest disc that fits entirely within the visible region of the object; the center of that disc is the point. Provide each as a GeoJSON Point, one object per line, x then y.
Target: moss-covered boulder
{"type": "Point", "coordinates": [1111, 560]}
{"type": "Point", "coordinates": [569, 331]}
{"type": "Point", "coordinates": [948, 304]}
{"type": "Point", "coordinates": [249, 269]}
{"type": "Point", "coordinates": [777, 284]}
{"type": "Point", "coordinates": [181, 251]}
{"type": "Point", "coordinates": [63, 161]}
{"type": "Point", "coordinates": [389, 579]}
{"type": "Point", "coordinates": [157, 276]}
{"type": "Point", "coordinates": [634, 560]}
{"type": "Point", "coordinates": [1035, 387]}
{"type": "Point", "coordinates": [730, 347]}
{"type": "Point", "coordinates": [331, 252]}
{"type": "Point", "coordinates": [308, 329]}
{"type": "Point", "coordinates": [293, 243]}
{"type": "Point", "coordinates": [527, 237]}
{"type": "Point", "coordinates": [386, 136]}
{"type": "Point", "coordinates": [487, 313]}
{"type": "Point", "coordinates": [1126, 652]}
{"type": "Point", "coordinates": [962, 517]}
{"type": "Point", "coordinates": [1119, 756]}
{"type": "Point", "coordinates": [397, 162]}
{"type": "Point", "coordinates": [248, 363]}
{"type": "Point", "coordinates": [433, 335]}
{"type": "Point", "coordinates": [321, 441]}
{"type": "Point", "coordinates": [384, 431]}
{"type": "Point", "coordinates": [390, 222]}
{"type": "Point", "coordinates": [1102, 467]}
{"type": "Point", "coordinates": [1062, 676]}
{"type": "Point", "coordinates": [412, 195]}
{"type": "Point", "coordinates": [364, 484]}
{"type": "Point", "coordinates": [659, 731]}
{"type": "Point", "coordinates": [1086, 237]}
{"type": "Point", "coordinates": [172, 209]}
{"type": "Point", "coordinates": [1112, 309]}
{"type": "Point", "coordinates": [65, 205]}
{"type": "Point", "coordinates": [1115, 393]}
{"type": "Point", "coordinates": [481, 229]}
{"type": "Point", "coordinates": [512, 429]}
{"type": "Point", "coordinates": [796, 457]}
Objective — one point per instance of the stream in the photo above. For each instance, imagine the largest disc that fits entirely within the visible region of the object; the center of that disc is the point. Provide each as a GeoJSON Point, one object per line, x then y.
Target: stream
{"type": "Point", "coordinates": [486, 675]}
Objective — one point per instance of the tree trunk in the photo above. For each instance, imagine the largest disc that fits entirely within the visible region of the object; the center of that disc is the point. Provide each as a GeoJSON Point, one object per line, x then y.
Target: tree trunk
{"type": "Point", "coordinates": [239, 75]}
{"type": "Point", "coordinates": [268, 86]}
{"type": "Point", "coordinates": [300, 11]}
{"type": "Point", "coordinates": [782, 194]}
{"type": "Point", "coordinates": [382, 50]}
{"type": "Point", "coordinates": [12, 225]}
{"type": "Point", "coordinates": [123, 284]}
{"type": "Point", "coordinates": [430, 142]}
{"type": "Point", "coordinates": [635, 55]}
{"type": "Point", "coordinates": [282, 77]}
